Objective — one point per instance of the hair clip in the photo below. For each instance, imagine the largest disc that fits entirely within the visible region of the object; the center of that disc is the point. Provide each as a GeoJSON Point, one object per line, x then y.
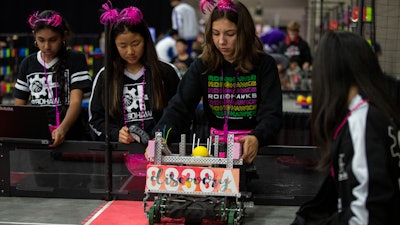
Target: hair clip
{"type": "Point", "coordinates": [110, 15]}
{"type": "Point", "coordinates": [54, 20]}
{"type": "Point", "coordinates": [131, 15]}
{"type": "Point", "coordinates": [207, 5]}
{"type": "Point", "coordinates": [226, 5]}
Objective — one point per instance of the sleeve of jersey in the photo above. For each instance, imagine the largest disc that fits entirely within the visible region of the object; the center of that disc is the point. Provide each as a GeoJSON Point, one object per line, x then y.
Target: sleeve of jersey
{"type": "Point", "coordinates": [79, 73]}
{"type": "Point", "coordinates": [21, 89]}
{"type": "Point", "coordinates": [269, 113]}
{"type": "Point", "coordinates": [97, 112]}
{"type": "Point", "coordinates": [373, 189]}
{"type": "Point", "coordinates": [180, 110]}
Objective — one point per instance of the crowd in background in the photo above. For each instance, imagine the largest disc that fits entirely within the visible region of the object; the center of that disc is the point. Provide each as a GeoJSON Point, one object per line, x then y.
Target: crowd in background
{"type": "Point", "coordinates": [182, 43]}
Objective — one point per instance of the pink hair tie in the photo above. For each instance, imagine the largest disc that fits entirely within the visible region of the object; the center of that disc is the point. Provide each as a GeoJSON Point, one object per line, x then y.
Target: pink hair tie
{"type": "Point", "coordinates": [131, 15]}
{"type": "Point", "coordinates": [207, 5]}
{"type": "Point", "coordinates": [110, 16]}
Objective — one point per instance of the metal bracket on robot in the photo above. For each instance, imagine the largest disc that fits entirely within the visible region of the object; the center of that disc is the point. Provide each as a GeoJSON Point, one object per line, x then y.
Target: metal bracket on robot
{"type": "Point", "coordinates": [156, 149]}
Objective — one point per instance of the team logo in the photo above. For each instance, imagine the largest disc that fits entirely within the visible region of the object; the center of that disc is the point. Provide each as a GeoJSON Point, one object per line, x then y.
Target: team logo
{"type": "Point", "coordinates": [38, 87]}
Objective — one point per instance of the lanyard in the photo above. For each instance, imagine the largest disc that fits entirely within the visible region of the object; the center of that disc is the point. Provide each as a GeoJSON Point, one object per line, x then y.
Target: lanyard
{"type": "Point", "coordinates": [347, 117]}
{"type": "Point", "coordinates": [53, 99]}
{"type": "Point", "coordinates": [226, 102]}
{"type": "Point", "coordinates": [343, 123]}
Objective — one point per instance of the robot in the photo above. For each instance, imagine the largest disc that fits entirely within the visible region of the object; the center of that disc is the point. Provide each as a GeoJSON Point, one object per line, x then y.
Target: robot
{"type": "Point", "coordinates": [195, 187]}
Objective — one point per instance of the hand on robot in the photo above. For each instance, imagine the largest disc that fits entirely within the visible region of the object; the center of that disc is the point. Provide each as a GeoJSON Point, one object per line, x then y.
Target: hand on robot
{"type": "Point", "coordinates": [250, 148]}
{"type": "Point", "coordinates": [146, 151]}
{"type": "Point", "coordinates": [146, 154]}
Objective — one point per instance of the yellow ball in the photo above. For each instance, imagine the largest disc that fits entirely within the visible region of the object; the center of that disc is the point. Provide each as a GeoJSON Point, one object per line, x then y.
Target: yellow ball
{"type": "Point", "coordinates": [309, 100]}
{"type": "Point", "coordinates": [300, 98]}
{"type": "Point", "coordinates": [200, 151]}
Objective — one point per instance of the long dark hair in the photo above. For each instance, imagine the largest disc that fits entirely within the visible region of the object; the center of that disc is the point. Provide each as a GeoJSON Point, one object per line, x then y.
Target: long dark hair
{"type": "Point", "coordinates": [116, 68]}
{"type": "Point", "coordinates": [344, 59]}
{"type": "Point", "coordinates": [248, 48]}
{"type": "Point", "coordinates": [40, 21]}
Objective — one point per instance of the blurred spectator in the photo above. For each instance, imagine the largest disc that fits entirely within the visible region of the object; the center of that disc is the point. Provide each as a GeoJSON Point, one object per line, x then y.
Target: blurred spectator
{"type": "Point", "coordinates": [294, 45]}
{"type": "Point", "coordinates": [293, 75]}
{"type": "Point", "coordinates": [197, 49]}
{"type": "Point", "coordinates": [197, 45]}
{"type": "Point", "coordinates": [182, 60]}
{"type": "Point", "coordinates": [184, 20]}
{"type": "Point", "coordinates": [271, 38]}
{"type": "Point", "coordinates": [282, 63]}
{"type": "Point", "coordinates": [165, 47]}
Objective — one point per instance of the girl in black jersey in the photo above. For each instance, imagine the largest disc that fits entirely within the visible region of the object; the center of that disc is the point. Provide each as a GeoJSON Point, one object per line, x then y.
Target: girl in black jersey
{"type": "Point", "coordinates": [356, 128]}
{"type": "Point", "coordinates": [54, 76]}
{"type": "Point", "coordinates": [236, 80]}
{"type": "Point", "coordinates": [140, 85]}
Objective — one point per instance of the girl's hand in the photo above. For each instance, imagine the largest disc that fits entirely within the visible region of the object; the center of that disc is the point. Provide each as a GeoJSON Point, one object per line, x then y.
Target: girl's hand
{"type": "Point", "coordinates": [58, 136]}
{"type": "Point", "coordinates": [250, 147]}
{"type": "Point", "coordinates": [146, 154]}
{"type": "Point", "coordinates": [124, 136]}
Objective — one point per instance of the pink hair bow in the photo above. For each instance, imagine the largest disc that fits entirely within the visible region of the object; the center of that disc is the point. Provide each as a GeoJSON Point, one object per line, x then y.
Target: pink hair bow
{"type": "Point", "coordinates": [110, 16]}
{"type": "Point", "coordinates": [54, 20]}
{"type": "Point", "coordinates": [131, 15]}
{"type": "Point", "coordinates": [207, 5]}
{"type": "Point", "coordinates": [33, 18]}
{"type": "Point", "coordinates": [226, 5]}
